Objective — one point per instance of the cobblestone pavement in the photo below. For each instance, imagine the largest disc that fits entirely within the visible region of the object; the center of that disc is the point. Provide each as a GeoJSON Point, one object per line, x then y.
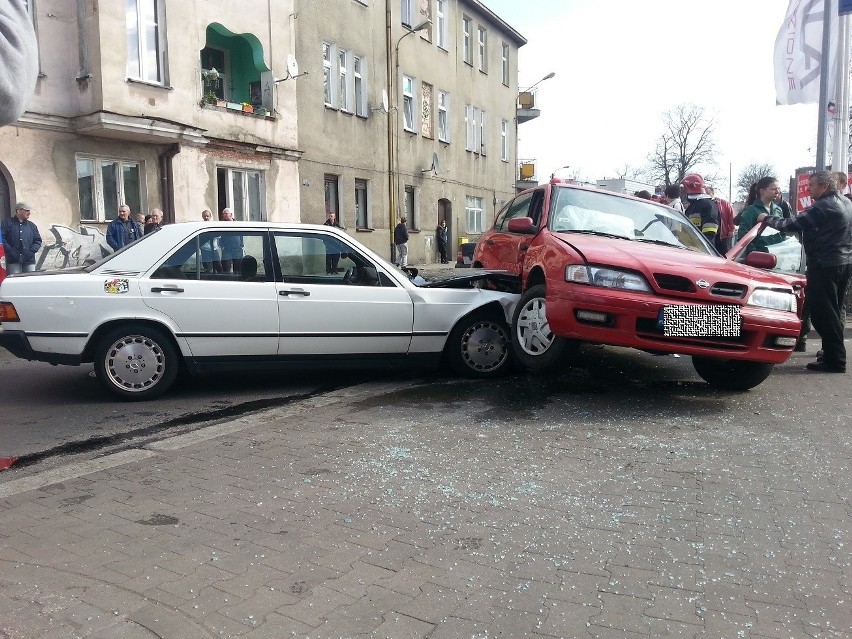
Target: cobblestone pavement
{"type": "Point", "coordinates": [588, 505]}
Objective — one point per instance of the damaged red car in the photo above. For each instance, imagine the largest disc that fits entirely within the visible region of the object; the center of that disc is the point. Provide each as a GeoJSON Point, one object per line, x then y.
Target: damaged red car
{"type": "Point", "coordinates": [605, 268]}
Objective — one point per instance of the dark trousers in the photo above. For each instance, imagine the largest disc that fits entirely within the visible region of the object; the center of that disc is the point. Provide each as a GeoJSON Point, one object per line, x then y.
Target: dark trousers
{"type": "Point", "coordinates": [825, 291]}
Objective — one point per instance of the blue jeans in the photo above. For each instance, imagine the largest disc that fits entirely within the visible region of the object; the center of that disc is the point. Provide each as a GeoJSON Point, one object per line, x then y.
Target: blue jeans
{"type": "Point", "coordinates": [11, 269]}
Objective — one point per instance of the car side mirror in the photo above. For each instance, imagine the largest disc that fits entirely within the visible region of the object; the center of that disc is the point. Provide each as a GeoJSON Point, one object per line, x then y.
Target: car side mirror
{"type": "Point", "coordinates": [759, 259]}
{"type": "Point", "coordinates": [522, 225]}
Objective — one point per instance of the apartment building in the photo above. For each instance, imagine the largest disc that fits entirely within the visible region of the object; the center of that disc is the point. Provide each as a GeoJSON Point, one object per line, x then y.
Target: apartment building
{"type": "Point", "coordinates": [171, 104]}
{"type": "Point", "coordinates": [408, 108]}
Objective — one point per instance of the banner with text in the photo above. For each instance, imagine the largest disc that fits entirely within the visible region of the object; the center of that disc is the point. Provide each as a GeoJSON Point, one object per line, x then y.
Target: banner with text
{"type": "Point", "coordinates": [798, 53]}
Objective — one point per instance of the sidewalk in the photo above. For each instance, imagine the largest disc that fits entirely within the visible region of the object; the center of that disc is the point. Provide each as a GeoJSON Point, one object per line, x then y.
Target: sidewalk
{"type": "Point", "coordinates": [380, 515]}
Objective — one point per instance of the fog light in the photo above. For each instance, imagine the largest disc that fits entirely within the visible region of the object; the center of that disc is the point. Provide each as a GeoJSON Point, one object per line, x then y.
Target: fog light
{"type": "Point", "coordinates": [592, 316]}
{"type": "Point", "coordinates": [785, 341]}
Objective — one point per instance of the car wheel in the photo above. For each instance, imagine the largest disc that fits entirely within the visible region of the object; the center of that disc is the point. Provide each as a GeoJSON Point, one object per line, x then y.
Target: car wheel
{"type": "Point", "coordinates": [136, 362]}
{"type": "Point", "coordinates": [731, 374]}
{"type": "Point", "coordinates": [479, 346]}
{"type": "Point", "coordinates": [534, 344]}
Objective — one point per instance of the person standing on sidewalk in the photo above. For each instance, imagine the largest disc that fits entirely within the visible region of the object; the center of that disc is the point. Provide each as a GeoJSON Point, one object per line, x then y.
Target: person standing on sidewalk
{"type": "Point", "coordinates": [21, 240]}
{"type": "Point", "coordinates": [441, 239]}
{"type": "Point", "coordinates": [332, 258]}
{"type": "Point", "coordinates": [400, 240]}
{"type": "Point", "coordinates": [827, 225]}
{"type": "Point", "coordinates": [122, 230]}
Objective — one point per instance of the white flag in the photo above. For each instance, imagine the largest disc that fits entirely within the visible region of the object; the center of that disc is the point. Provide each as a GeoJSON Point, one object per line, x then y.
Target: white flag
{"type": "Point", "coordinates": [798, 52]}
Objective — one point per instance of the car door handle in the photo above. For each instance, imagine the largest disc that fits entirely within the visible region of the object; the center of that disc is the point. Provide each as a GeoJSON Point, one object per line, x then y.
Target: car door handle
{"type": "Point", "coordinates": [523, 247]}
{"type": "Point", "coordinates": [166, 289]}
{"type": "Point", "coordinates": [297, 291]}
{"type": "Point", "coordinates": [489, 242]}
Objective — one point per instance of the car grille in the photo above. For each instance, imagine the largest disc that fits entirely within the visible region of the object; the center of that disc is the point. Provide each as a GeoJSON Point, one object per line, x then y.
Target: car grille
{"type": "Point", "coordinates": [681, 284]}
{"type": "Point", "coordinates": [648, 328]}
{"type": "Point", "coordinates": [731, 291]}
{"type": "Point", "coordinates": [674, 283]}
{"type": "Point", "coordinates": [120, 273]}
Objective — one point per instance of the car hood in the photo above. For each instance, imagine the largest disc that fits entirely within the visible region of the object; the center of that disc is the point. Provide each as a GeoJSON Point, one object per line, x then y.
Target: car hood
{"type": "Point", "coordinates": [473, 278]}
{"type": "Point", "coordinates": [653, 259]}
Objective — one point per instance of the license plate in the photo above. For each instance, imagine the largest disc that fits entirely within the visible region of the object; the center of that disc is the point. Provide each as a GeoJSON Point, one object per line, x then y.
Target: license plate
{"type": "Point", "coordinates": [696, 320]}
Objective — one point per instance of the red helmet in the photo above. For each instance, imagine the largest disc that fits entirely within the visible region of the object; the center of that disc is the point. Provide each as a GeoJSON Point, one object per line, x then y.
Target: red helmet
{"type": "Point", "coordinates": [693, 184]}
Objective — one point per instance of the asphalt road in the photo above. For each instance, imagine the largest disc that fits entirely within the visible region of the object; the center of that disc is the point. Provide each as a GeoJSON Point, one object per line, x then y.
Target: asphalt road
{"type": "Point", "coordinates": [50, 414]}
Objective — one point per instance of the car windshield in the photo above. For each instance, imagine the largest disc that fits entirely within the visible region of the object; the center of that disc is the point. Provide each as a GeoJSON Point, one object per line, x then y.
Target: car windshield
{"type": "Point", "coordinates": [88, 268]}
{"type": "Point", "coordinates": [601, 213]}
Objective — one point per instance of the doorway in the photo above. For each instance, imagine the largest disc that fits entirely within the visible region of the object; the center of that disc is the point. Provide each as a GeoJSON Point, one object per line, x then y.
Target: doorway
{"type": "Point", "coordinates": [445, 213]}
{"type": "Point", "coordinates": [7, 193]}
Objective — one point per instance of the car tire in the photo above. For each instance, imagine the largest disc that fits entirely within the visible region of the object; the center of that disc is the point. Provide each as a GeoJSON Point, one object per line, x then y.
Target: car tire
{"type": "Point", "coordinates": [731, 374]}
{"type": "Point", "coordinates": [534, 345]}
{"type": "Point", "coordinates": [480, 346]}
{"type": "Point", "coordinates": [136, 362]}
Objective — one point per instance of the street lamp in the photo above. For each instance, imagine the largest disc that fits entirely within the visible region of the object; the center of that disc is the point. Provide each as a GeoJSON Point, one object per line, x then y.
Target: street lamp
{"type": "Point", "coordinates": [547, 77]}
{"type": "Point", "coordinates": [553, 175]}
{"type": "Point", "coordinates": [393, 83]}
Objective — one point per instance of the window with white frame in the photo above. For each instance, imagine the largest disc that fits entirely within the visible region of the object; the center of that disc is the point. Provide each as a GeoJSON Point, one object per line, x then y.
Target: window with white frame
{"type": "Point", "coordinates": [443, 116]}
{"type": "Point", "coordinates": [242, 191]}
{"type": "Point", "coordinates": [146, 47]}
{"type": "Point", "coordinates": [504, 140]}
{"type": "Point", "coordinates": [480, 133]}
{"type": "Point", "coordinates": [360, 95]}
{"type": "Point", "coordinates": [408, 103]}
{"type": "Point", "coordinates": [362, 213]}
{"type": "Point", "coordinates": [343, 84]}
{"type": "Point", "coordinates": [469, 127]}
{"type": "Point", "coordinates": [327, 74]}
{"type": "Point", "coordinates": [467, 44]}
{"type": "Point", "coordinates": [441, 7]}
{"type": "Point", "coordinates": [410, 210]}
{"type": "Point", "coordinates": [474, 126]}
{"type": "Point", "coordinates": [505, 57]}
{"type": "Point", "coordinates": [105, 184]}
{"type": "Point", "coordinates": [474, 214]}
{"type": "Point", "coordinates": [408, 12]}
{"type": "Point", "coordinates": [482, 48]}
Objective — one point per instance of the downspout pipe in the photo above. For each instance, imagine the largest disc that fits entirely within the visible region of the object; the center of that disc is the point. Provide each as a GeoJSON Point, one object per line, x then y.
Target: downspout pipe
{"type": "Point", "coordinates": [167, 181]}
{"type": "Point", "coordinates": [391, 114]}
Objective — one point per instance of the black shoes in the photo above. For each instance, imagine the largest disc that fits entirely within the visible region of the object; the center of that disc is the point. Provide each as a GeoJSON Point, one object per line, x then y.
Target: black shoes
{"type": "Point", "coordinates": [821, 367]}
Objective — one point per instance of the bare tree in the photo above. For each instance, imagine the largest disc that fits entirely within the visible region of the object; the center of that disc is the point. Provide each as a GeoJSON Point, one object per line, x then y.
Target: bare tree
{"type": "Point", "coordinates": [751, 174]}
{"type": "Point", "coordinates": [686, 144]}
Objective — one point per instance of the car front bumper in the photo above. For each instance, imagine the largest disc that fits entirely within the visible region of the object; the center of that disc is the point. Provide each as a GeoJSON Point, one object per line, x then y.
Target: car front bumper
{"type": "Point", "coordinates": [631, 321]}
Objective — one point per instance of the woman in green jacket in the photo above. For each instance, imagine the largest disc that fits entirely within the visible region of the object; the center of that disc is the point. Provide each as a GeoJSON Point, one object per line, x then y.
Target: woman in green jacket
{"type": "Point", "coordinates": [761, 199]}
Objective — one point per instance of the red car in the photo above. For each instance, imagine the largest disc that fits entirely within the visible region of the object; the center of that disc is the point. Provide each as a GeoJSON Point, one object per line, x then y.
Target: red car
{"type": "Point", "coordinates": [605, 268]}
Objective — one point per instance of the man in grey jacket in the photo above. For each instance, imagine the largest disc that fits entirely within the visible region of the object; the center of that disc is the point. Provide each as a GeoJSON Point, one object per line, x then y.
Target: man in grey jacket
{"type": "Point", "coordinates": [18, 60]}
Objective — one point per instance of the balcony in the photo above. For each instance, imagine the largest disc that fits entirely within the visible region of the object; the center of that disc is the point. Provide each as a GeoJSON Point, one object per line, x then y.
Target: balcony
{"type": "Point", "coordinates": [527, 106]}
{"type": "Point", "coordinates": [526, 175]}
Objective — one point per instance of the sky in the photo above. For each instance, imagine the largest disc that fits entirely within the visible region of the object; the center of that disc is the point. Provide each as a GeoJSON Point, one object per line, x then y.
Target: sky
{"type": "Point", "coordinates": [620, 64]}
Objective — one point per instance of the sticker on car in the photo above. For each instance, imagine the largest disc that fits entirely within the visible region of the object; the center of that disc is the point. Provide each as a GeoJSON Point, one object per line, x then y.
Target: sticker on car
{"type": "Point", "coordinates": [116, 286]}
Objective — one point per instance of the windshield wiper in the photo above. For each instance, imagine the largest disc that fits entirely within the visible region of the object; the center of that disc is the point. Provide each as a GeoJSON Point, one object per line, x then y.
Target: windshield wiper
{"type": "Point", "coordinates": [600, 233]}
{"type": "Point", "coordinates": [662, 243]}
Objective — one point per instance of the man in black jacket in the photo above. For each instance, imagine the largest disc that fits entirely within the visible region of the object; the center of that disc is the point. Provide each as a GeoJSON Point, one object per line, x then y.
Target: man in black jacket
{"type": "Point", "coordinates": [827, 231]}
{"type": "Point", "coordinates": [21, 240]}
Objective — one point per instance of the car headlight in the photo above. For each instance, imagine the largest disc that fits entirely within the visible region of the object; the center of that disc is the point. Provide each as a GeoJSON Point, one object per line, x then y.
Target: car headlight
{"type": "Point", "coordinates": [606, 277]}
{"type": "Point", "coordinates": [778, 300]}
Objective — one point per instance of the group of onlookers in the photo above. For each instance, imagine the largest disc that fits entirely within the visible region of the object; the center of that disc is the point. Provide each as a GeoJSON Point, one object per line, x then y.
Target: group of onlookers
{"type": "Point", "coordinates": [825, 230]}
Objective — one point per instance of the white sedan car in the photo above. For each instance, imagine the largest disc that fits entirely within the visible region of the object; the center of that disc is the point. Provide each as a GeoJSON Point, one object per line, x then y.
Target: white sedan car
{"type": "Point", "coordinates": [248, 296]}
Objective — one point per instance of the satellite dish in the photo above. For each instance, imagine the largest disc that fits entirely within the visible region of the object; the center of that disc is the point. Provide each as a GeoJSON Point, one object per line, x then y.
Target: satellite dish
{"type": "Point", "coordinates": [436, 167]}
{"type": "Point", "coordinates": [292, 65]}
{"type": "Point", "coordinates": [385, 101]}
